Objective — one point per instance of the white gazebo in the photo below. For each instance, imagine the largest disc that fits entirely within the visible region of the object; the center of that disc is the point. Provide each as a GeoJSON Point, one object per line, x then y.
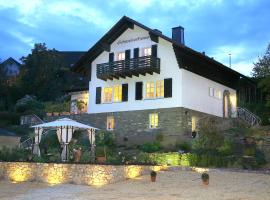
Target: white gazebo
{"type": "Point", "coordinates": [65, 128]}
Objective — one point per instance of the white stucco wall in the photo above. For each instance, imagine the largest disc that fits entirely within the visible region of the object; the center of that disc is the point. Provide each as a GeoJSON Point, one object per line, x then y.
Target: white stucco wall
{"type": "Point", "coordinates": [195, 94]}
{"type": "Point", "coordinates": [188, 89]}
{"type": "Point", "coordinates": [168, 66]}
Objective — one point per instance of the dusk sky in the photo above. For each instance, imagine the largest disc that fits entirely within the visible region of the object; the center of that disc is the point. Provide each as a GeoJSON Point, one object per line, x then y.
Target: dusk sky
{"type": "Point", "coordinates": [218, 27]}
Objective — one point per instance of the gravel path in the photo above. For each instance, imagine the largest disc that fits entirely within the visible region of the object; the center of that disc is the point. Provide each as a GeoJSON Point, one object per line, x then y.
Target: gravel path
{"type": "Point", "coordinates": [170, 185]}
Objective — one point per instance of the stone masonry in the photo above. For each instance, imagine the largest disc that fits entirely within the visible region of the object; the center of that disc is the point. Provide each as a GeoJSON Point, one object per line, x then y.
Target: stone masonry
{"type": "Point", "coordinates": [83, 174]}
{"type": "Point", "coordinates": [132, 127]}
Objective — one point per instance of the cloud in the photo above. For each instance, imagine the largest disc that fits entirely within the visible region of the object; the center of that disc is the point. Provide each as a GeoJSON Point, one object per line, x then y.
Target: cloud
{"type": "Point", "coordinates": [217, 27]}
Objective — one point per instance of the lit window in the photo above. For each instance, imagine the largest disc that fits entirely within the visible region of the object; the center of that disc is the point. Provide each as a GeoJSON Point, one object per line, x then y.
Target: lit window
{"type": "Point", "coordinates": [107, 95]}
{"type": "Point", "coordinates": [160, 89]}
{"type": "Point", "coordinates": [211, 92]}
{"type": "Point", "coordinates": [110, 123]}
{"type": "Point", "coordinates": [193, 124]}
{"type": "Point", "coordinates": [121, 56]}
{"type": "Point", "coordinates": [218, 94]}
{"type": "Point", "coordinates": [153, 120]}
{"type": "Point", "coordinates": [117, 93]}
{"type": "Point", "coordinates": [150, 90]}
{"type": "Point", "coordinates": [147, 52]}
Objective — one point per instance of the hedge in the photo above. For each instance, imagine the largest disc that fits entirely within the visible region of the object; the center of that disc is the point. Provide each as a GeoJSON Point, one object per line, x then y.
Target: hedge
{"type": "Point", "coordinates": [187, 159]}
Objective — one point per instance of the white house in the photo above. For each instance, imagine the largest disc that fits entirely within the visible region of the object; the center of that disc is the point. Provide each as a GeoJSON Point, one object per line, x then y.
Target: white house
{"type": "Point", "coordinates": [143, 83]}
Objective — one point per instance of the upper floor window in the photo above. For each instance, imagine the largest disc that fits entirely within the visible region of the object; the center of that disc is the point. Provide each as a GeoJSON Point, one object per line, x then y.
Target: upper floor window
{"type": "Point", "coordinates": [160, 89]}
{"type": "Point", "coordinates": [121, 56]}
{"type": "Point", "coordinates": [147, 51]}
{"type": "Point", "coordinates": [107, 95]}
{"type": "Point", "coordinates": [213, 92]}
{"type": "Point", "coordinates": [218, 94]}
{"type": "Point", "coordinates": [117, 93]}
{"type": "Point", "coordinates": [153, 120]}
{"type": "Point", "coordinates": [150, 90]}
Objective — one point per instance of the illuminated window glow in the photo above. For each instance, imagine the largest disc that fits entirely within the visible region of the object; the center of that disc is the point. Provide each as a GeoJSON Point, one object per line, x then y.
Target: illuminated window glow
{"type": "Point", "coordinates": [117, 93]}
{"type": "Point", "coordinates": [160, 89]}
{"type": "Point", "coordinates": [110, 123]}
{"type": "Point", "coordinates": [150, 90]}
{"type": "Point", "coordinates": [147, 51]}
{"type": "Point", "coordinates": [193, 124]}
{"type": "Point", "coordinates": [153, 120]}
{"type": "Point", "coordinates": [107, 95]}
{"type": "Point", "coordinates": [121, 56]}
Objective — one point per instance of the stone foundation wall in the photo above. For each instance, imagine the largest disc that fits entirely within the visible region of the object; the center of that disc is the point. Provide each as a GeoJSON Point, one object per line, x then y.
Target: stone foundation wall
{"type": "Point", "coordinates": [84, 174]}
{"type": "Point", "coordinates": [132, 127]}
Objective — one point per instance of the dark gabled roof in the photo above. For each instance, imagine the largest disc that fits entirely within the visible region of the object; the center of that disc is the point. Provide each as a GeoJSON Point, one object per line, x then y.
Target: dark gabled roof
{"type": "Point", "coordinates": [10, 60]}
{"type": "Point", "coordinates": [205, 66]}
{"type": "Point", "coordinates": [71, 57]}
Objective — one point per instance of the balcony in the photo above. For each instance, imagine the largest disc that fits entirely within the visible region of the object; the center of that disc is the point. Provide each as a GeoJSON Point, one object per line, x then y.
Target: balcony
{"type": "Point", "coordinates": [128, 68]}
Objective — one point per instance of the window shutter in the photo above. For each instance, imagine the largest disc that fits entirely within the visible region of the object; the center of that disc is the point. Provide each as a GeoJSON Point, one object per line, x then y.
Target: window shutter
{"type": "Point", "coordinates": [139, 91]}
{"type": "Point", "coordinates": [98, 95]}
{"type": "Point", "coordinates": [154, 50]}
{"type": "Point", "coordinates": [127, 54]}
{"type": "Point", "coordinates": [111, 57]}
{"type": "Point", "coordinates": [167, 87]}
{"type": "Point", "coordinates": [136, 53]}
{"type": "Point", "coordinates": [124, 92]}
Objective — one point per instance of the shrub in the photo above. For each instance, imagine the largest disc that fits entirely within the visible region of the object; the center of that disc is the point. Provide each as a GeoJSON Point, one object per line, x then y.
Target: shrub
{"type": "Point", "coordinates": [57, 106]}
{"type": "Point", "coordinates": [184, 146]}
{"type": "Point", "coordinates": [153, 173]}
{"type": "Point", "coordinates": [205, 177]}
{"type": "Point", "coordinates": [9, 118]}
{"type": "Point", "coordinates": [209, 140]}
{"type": "Point", "coordinates": [15, 154]}
{"type": "Point", "coordinates": [260, 157]}
{"type": "Point", "coordinates": [150, 147]}
{"type": "Point", "coordinates": [29, 105]}
{"type": "Point", "coordinates": [86, 158]}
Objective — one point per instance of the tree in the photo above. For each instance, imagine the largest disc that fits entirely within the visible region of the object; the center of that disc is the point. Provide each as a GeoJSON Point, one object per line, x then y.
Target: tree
{"type": "Point", "coordinates": [261, 72]}
{"type": "Point", "coordinates": [262, 67]}
{"type": "Point", "coordinates": [42, 73]}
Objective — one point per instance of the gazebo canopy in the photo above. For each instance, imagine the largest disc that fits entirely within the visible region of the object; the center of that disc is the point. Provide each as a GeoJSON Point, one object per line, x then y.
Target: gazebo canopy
{"type": "Point", "coordinates": [64, 122]}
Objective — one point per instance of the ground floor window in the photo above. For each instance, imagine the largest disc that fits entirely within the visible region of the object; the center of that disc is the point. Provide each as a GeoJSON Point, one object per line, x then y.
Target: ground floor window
{"type": "Point", "coordinates": [193, 127]}
{"type": "Point", "coordinates": [153, 120]}
{"type": "Point", "coordinates": [110, 123]}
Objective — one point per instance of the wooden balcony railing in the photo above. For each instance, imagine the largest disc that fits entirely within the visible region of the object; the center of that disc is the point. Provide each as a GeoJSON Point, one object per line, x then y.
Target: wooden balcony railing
{"type": "Point", "coordinates": [128, 68]}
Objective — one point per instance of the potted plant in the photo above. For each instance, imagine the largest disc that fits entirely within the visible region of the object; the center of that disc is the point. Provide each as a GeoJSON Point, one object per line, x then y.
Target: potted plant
{"type": "Point", "coordinates": [100, 155]}
{"type": "Point", "coordinates": [153, 175]}
{"type": "Point", "coordinates": [205, 178]}
{"type": "Point", "coordinates": [77, 154]}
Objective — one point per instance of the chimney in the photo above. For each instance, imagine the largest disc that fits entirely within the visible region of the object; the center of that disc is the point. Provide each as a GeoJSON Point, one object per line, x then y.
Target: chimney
{"type": "Point", "coordinates": [178, 35]}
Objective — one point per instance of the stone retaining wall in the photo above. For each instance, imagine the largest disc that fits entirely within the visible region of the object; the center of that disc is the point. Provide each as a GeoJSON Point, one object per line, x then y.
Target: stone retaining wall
{"type": "Point", "coordinates": [132, 127]}
{"type": "Point", "coordinates": [84, 174]}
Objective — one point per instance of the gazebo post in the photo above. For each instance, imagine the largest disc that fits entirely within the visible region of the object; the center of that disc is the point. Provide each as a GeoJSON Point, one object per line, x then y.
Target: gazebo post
{"type": "Point", "coordinates": [91, 134]}
{"type": "Point", "coordinates": [37, 139]}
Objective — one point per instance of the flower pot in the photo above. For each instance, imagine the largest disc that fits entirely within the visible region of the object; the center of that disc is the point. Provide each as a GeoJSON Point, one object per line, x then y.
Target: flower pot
{"type": "Point", "coordinates": [153, 178]}
{"type": "Point", "coordinates": [206, 182]}
{"type": "Point", "coordinates": [77, 155]}
{"type": "Point", "coordinates": [101, 159]}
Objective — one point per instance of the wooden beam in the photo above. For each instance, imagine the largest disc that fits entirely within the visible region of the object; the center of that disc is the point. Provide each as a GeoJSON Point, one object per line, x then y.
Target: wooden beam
{"type": "Point", "coordinates": [106, 47]}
